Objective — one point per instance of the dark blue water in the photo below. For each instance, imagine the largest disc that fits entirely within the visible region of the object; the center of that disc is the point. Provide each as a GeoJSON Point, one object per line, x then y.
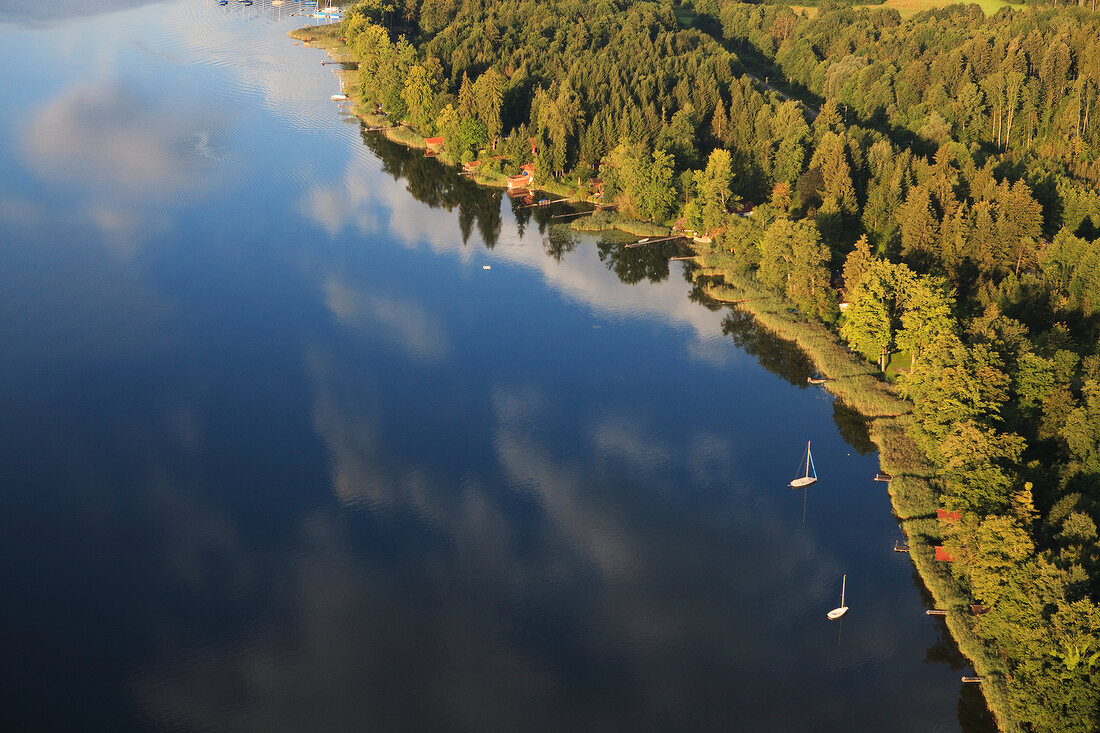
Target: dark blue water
{"type": "Point", "coordinates": [278, 452]}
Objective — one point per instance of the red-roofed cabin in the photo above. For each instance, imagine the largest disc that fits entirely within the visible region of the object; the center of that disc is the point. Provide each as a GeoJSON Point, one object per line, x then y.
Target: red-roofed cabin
{"type": "Point", "coordinates": [944, 555]}
{"type": "Point", "coordinates": [950, 517]}
{"type": "Point", "coordinates": [524, 180]}
{"type": "Point", "coordinates": [433, 140]}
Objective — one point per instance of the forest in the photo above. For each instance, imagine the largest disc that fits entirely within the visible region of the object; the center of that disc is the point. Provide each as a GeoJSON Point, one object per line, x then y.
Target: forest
{"type": "Point", "coordinates": [924, 189]}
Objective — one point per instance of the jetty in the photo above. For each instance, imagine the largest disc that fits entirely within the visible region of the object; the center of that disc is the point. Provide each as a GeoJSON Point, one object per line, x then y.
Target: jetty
{"type": "Point", "coordinates": [544, 202]}
{"type": "Point", "coordinates": [647, 240]}
{"type": "Point", "coordinates": [573, 213]}
{"type": "Point", "coordinates": [898, 547]}
{"type": "Point", "coordinates": [935, 612]}
{"type": "Point", "coordinates": [883, 477]}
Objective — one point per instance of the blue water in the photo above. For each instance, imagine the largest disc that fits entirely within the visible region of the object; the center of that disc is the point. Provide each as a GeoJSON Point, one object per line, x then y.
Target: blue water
{"type": "Point", "coordinates": [280, 453]}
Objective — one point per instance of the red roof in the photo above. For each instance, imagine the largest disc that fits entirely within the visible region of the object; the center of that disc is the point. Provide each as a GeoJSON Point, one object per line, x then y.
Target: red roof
{"type": "Point", "coordinates": [433, 140]}
{"type": "Point", "coordinates": [942, 554]}
{"type": "Point", "coordinates": [945, 516]}
{"type": "Point", "coordinates": [529, 169]}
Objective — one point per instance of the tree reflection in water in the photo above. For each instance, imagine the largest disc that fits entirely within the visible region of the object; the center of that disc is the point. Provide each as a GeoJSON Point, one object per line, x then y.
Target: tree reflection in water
{"type": "Point", "coordinates": [780, 357]}
{"type": "Point", "coordinates": [974, 716]}
{"type": "Point", "coordinates": [429, 181]}
{"type": "Point", "coordinates": [634, 264]}
{"type": "Point", "coordinates": [853, 427]}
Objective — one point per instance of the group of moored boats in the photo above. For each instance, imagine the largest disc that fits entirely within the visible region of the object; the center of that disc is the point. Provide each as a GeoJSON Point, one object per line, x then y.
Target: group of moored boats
{"type": "Point", "coordinates": [809, 476]}
{"type": "Point", "coordinates": [331, 12]}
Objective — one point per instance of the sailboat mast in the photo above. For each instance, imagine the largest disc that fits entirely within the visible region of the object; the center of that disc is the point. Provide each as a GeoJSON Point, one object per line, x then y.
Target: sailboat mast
{"type": "Point", "coordinates": [807, 458]}
{"type": "Point", "coordinates": [843, 580]}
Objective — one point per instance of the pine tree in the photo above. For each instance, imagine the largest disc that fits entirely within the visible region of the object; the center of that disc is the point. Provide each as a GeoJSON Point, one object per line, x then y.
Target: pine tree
{"type": "Point", "coordinates": [719, 123]}
{"type": "Point", "coordinates": [467, 100]}
{"type": "Point", "coordinates": [918, 228]}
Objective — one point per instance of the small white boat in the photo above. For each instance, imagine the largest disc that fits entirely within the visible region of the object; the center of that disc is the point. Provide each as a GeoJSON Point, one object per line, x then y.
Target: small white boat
{"type": "Point", "coordinates": [339, 97]}
{"type": "Point", "coordinates": [842, 609]}
{"type": "Point", "coordinates": [811, 472]}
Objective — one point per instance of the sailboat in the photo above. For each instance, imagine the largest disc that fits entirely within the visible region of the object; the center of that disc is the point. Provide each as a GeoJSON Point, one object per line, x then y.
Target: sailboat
{"type": "Point", "coordinates": [811, 472]}
{"type": "Point", "coordinates": [838, 612]}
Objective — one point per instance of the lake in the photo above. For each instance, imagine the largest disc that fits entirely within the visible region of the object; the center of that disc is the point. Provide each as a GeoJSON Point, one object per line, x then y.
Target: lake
{"type": "Point", "coordinates": [303, 431]}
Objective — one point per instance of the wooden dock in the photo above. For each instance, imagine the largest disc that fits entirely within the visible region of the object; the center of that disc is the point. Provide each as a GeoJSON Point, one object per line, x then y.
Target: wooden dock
{"type": "Point", "coordinates": [543, 202]}
{"type": "Point", "coordinates": [936, 612]}
{"type": "Point", "coordinates": [647, 240]}
{"type": "Point", "coordinates": [574, 213]}
{"type": "Point", "coordinates": [971, 679]}
{"type": "Point", "coordinates": [883, 477]}
{"type": "Point", "coordinates": [898, 547]}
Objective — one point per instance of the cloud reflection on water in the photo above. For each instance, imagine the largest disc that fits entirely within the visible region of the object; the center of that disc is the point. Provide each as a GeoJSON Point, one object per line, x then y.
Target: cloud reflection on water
{"type": "Point", "coordinates": [401, 321]}
{"type": "Point", "coordinates": [36, 13]}
{"type": "Point", "coordinates": [105, 136]}
{"type": "Point", "coordinates": [358, 205]}
{"type": "Point", "coordinates": [487, 617]}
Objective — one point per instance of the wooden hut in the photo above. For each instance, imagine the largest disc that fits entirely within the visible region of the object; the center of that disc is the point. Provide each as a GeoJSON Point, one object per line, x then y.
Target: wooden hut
{"type": "Point", "coordinates": [525, 179]}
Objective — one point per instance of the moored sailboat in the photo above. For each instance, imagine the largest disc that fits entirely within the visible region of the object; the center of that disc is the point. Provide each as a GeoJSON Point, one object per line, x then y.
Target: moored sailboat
{"type": "Point", "coordinates": [841, 609]}
{"type": "Point", "coordinates": [811, 472]}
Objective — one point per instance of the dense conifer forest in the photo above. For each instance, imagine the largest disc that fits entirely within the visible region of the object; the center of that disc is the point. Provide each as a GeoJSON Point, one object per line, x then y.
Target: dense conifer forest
{"type": "Point", "coordinates": [926, 189]}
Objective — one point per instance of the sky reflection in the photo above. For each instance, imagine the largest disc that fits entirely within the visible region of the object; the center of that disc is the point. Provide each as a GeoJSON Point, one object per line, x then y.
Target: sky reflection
{"type": "Point", "coordinates": [282, 455]}
{"type": "Point", "coordinates": [34, 13]}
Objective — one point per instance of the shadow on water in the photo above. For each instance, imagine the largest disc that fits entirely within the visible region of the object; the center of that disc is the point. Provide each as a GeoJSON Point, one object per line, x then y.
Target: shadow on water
{"type": "Point", "coordinates": [634, 264]}
{"type": "Point", "coordinates": [780, 357]}
{"type": "Point", "coordinates": [974, 715]}
{"type": "Point", "coordinates": [559, 241]}
{"type": "Point", "coordinates": [429, 181]}
{"type": "Point", "coordinates": [853, 428]}
{"type": "Point", "coordinates": [432, 182]}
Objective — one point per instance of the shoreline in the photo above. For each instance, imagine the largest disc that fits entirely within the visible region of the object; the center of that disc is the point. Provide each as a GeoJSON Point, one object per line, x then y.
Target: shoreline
{"type": "Point", "coordinates": [850, 379]}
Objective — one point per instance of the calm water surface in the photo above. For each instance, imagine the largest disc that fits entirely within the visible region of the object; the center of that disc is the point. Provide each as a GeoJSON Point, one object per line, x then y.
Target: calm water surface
{"type": "Point", "coordinates": [279, 453]}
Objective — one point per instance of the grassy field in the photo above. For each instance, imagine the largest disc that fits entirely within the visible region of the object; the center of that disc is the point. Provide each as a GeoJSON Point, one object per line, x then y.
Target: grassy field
{"type": "Point", "coordinates": [909, 8]}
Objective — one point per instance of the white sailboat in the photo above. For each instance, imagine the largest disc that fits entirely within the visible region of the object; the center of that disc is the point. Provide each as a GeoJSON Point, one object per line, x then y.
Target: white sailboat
{"type": "Point", "coordinates": [838, 612]}
{"type": "Point", "coordinates": [811, 472]}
